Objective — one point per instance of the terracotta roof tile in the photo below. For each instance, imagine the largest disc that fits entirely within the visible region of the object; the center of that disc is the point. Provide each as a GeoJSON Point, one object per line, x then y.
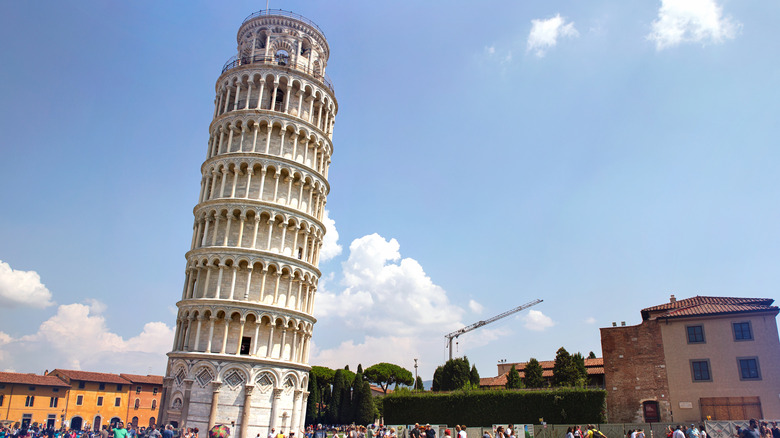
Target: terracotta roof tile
{"type": "Point", "coordinates": [89, 376]}
{"type": "Point", "coordinates": [32, 379]}
{"type": "Point", "coordinates": [148, 380]}
{"type": "Point", "coordinates": [700, 306]}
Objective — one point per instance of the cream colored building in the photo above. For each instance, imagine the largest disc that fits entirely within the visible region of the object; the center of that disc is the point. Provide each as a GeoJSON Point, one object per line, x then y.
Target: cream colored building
{"type": "Point", "coordinates": [699, 358]}
{"type": "Point", "coordinates": [244, 325]}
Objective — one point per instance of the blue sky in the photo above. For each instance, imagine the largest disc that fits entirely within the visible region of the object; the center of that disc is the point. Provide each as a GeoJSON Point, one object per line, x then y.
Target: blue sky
{"type": "Point", "coordinates": [598, 155]}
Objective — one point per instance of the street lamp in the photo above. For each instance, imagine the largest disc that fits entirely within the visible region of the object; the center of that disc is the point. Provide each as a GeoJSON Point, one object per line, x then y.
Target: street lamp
{"type": "Point", "coordinates": [415, 375]}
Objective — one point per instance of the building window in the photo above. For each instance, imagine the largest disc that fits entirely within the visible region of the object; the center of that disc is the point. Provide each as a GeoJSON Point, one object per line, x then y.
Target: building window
{"type": "Point", "coordinates": [29, 401]}
{"type": "Point", "coordinates": [137, 403]}
{"type": "Point", "coordinates": [137, 389]}
{"type": "Point", "coordinates": [2, 396]}
{"type": "Point", "coordinates": [154, 391]}
{"type": "Point", "coordinates": [100, 401]}
{"type": "Point", "coordinates": [31, 388]}
{"type": "Point", "coordinates": [102, 387]}
{"type": "Point", "coordinates": [695, 334]}
{"type": "Point", "coordinates": [117, 401]}
{"type": "Point", "coordinates": [700, 370]}
{"type": "Point", "coordinates": [748, 368]}
{"type": "Point", "coordinates": [79, 400]}
{"type": "Point", "coordinates": [82, 385]}
{"type": "Point", "coordinates": [53, 402]}
{"type": "Point", "coordinates": [742, 331]}
{"type": "Point", "coordinates": [154, 404]}
{"type": "Point", "coordinates": [118, 387]}
{"type": "Point", "coordinates": [55, 390]}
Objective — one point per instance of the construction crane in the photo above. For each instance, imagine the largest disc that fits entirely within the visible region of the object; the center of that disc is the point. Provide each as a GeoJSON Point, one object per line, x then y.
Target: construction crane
{"type": "Point", "coordinates": [479, 324]}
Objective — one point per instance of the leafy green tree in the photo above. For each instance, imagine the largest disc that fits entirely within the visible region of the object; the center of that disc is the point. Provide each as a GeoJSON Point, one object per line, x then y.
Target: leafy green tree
{"type": "Point", "coordinates": [313, 400]}
{"type": "Point", "coordinates": [591, 355]}
{"type": "Point", "coordinates": [436, 385]}
{"type": "Point", "coordinates": [385, 374]}
{"type": "Point", "coordinates": [513, 380]}
{"type": "Point", "coordinates": [360, 368]}
{"type": "Point", "coordinates": [324, 379]}
{"type": "Point", "coordinates": [455, 374]}
{"type": "Point", "coordinates": [579, 372]}
{"type": "Point", "coordinates": [534, 377]}
{"type": "Point", "coordinates": [562, 370]}
{"type": "Point", "coordinates": [418, 384]}
{"type": "Point", "coordinates": [474, 376]}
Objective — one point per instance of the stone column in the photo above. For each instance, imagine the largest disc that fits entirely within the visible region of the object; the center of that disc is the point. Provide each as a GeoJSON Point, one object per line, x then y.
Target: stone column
{"type": "Point", "coordinates": [262, 184]}
{"type": "Point", "coordinates": [296, 410]}
{"type": "Point", "coordinates": [233, 282]}
{"type": "Point", "coordinates": [225, 335]}
{"type": "Point", "coordinates": [221, 268]}
{"type": "Point", "coordinates": [256, 339]}
{"type": "Point", "coordinates": [248, 282]}
{"type": "Point", "coordinates": [212, 319]}
{"type": "Point", "coordinates": [260, 95]}
{"type": "Point", "coordinates": [302, 420]}
{"type": "Point", "coordinates": [236, 174]}
{"type": "Point", "coordinates": [284, 341]}
{"type": "Point", "coordinates": [254, 140]}
{"type": "Point", "coordinates": [185, 408]}
{"type": "Point", "coordinates": [197, 335]}
{"type": "Point", "coordinates": [254, 232]}
{"type": "Point", "coordinates": [243, 432]}
{"type": "Point", "coordinates": [275, 406]}
{"type": "Point", "coordinates": [240, 335]}
{"type": "Point", "coordinates": [241, 219]}
{"type": "Point", "coordinates": [268, 139]}
{"type": "Point", "coordinates": [215, 387]}
{"type": "Point", "coordinates": [270, 340]}
{"type": "Point", "coordinates": [249, 173]}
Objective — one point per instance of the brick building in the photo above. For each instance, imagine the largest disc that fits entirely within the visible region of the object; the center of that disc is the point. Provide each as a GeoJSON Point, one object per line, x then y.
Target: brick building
{"type": "Point", "coordinates": [694, 359]}
{"type": "Point", "coordinates": [594, 368]}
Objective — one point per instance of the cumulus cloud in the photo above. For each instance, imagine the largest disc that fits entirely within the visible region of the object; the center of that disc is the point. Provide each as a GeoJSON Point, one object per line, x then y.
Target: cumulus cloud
{"type": "Point", "coordinates": [682, 21]}
{"type": "Point", "coordinates": [387, 294]}
{"type": "Point", "coordinates": [475, 306]}
{"type": "Point", "coordinates": [330, 243]}
{"type": "Point", "coordinates": [545, 33]}
{"type": "Point", "coordinates": [22, 288]}
{"type": "Point", "coordinates": [77, 337]}
{"type": "Point", "coordinates": [590, 320]}
{"type": "Point", "coordinates": [392, 305]}
{"type": "Point", "coordinates": [537, 321]}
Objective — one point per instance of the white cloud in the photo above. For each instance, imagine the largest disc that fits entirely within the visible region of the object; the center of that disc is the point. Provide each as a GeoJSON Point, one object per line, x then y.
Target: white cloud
{"type": "Point", "coordinates": [590, 320]}
{"type": "Point", "coordinates": [545, 33]}
{"type": "Point", "coordinates": [475, 307]}
{"type": "Point", "coordinates": [77, 337]}
{"type": "Point", "coordinates": [22, 288]}
{"type": "Point", "coordinates": [491, 50]}
{"type": "Point", "coordinates": [691, 21]}
{"type": "Point", "coordinates": [388, 295]}
{"type": "Point", "coordinates": [330, 243]}
{"type": "Point", "coordinates": [537, 321]}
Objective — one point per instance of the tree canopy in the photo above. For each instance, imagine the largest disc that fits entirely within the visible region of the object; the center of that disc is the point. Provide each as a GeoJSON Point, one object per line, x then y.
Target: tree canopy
{"type": "Point", "coordinates": [513, 379]}
{"type": "Point", "coordinates": [454, 374]}
{"type": "Point", "coordinates": [385, 374]}
{"type": "Point", "coordinates": [534, 377]}
{"type": "Point", "coordinates": [568, 370]}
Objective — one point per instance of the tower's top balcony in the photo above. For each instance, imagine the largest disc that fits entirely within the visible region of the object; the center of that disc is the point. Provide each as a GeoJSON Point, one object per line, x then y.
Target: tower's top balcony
{"type": "Point", "coordinates": [283, 38]}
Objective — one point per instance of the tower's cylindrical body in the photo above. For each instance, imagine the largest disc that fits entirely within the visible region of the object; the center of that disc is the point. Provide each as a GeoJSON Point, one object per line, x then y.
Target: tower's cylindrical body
{"type": "Point", "coordinates": [244, 325]}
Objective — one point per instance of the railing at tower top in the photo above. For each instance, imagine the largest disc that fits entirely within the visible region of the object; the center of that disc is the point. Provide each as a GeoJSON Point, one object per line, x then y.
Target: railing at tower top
{"type": "Point", "coordinates": [283, 13]}
{"type": "Point", "coordinates": [235, 61]}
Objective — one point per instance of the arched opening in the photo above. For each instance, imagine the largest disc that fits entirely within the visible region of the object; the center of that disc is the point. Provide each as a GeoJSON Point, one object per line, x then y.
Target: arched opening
{"type": "Point", "coordinates": [152, 422]}
{"type": "Point", "coordinates": [282, 57]}
{"type": "Point", "coordinates": [154, 404]}
{"type": "Point", "coordinates": [174, 424]}
{"type": "Point", "coordinates": [76, 423]}
{"type": "Point", "coordinates": [135, 422]}
{"type": "Point", "coordinates": [137, 403]}
{"type": "Point", "coordinates": [114, 421]}
{"type": "Point", "coordinates": [279, 105]}
{"type": "Point", "coordinates": [96, 423]}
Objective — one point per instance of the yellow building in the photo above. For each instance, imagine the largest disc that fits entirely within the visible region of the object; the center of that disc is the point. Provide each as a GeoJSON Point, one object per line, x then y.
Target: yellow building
{"type": "Point", "coordinates": [30, 399]}
{"type": "Point", "coordinates": [93, 399]}
{"type": "Point", "coordinates": [143, 403]}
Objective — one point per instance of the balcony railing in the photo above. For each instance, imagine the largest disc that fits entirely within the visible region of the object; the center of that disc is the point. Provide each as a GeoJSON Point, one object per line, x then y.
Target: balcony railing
{"type": "Point", "coordinates": [280, 12]}
{"type": "Point", "coordinates": [285, 62]}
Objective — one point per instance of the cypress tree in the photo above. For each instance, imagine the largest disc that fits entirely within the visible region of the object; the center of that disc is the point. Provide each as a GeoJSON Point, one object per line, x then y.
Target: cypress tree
{"type": "Point", "coordinates": [563, 369]}
{"type": "Point", "coordinates": [337, 393]}
{"type": "Point", "coordinates": [362, 402]}
{"type": "Point", "coordinates": [513, 379]}
{"type": "Point", "coordinates": [418, 384]}
{"type": "Point", "coordinates": [360, 369]}
{"type": "Point", "coordinates": [533, 374]}
{"type": "Point", "coordinates": [313, 401]}
{"type": "Point", "coordinates": [436, 385]}
{"type": "Point", "coordinates": [474, 376]}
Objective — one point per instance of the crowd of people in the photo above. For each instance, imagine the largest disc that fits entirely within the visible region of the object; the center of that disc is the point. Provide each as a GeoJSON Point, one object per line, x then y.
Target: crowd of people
{"type": "Point", "coordinates": [117, 430]}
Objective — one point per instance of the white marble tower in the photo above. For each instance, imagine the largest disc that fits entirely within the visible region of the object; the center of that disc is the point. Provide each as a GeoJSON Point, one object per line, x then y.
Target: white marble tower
{"type": "Point", "coordinates": [244, 324]}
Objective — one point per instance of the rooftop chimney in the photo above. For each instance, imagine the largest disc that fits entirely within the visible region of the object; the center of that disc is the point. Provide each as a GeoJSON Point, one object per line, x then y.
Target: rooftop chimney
{"type": "Point", "coordinates": [622, 323]}
{"type": "Point", "coordinates": [672, 299]}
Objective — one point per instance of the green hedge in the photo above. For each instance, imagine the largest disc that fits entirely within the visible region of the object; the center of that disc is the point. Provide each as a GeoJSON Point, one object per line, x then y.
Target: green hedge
{"type": "Point", "coordinates": [484, 408]}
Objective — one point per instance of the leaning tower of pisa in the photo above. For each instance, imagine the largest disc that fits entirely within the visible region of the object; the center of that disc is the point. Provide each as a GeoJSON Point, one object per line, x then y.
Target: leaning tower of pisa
{"type": "Point", "coordinates": [244, 325]}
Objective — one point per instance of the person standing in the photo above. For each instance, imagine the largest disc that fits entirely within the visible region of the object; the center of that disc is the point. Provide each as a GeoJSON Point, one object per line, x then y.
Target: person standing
{"type": "Point", "coordinates": [120, 431]}
{"type": "Point", "coordinates": [678, 433]}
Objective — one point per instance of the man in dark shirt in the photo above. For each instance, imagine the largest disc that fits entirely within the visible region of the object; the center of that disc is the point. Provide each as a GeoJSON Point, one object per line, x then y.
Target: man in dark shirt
{"type": "Point", "coordinates": [751, 431]}
{"type": "Point", "coordinates": [415, 433]}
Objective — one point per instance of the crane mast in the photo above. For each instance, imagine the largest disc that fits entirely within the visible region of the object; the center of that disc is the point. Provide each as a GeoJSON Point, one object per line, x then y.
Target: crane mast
{"type": "Point", "coordinates": [479, 324]}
